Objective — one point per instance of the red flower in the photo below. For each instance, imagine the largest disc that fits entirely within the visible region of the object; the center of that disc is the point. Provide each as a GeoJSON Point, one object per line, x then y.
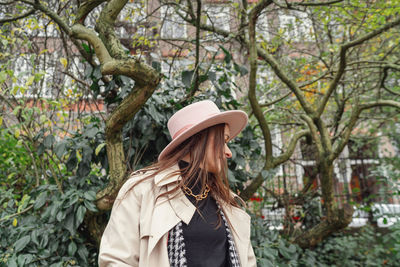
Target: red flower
{"type": "Point", "coordinates": [258, 199]}
{"type": "Point", "coordinates": [296, 218]}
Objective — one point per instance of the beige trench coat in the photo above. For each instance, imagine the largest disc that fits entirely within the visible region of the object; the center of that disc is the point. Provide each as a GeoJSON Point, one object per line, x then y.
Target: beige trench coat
{"type": "Point", "coordinates": [137, 232]}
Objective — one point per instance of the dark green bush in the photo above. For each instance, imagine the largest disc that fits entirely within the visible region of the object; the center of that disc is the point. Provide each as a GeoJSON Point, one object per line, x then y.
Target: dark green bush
{"type": "Point", "coordinates": [362, 247]}
{"type": "Point", "coordinates": [42, 224]}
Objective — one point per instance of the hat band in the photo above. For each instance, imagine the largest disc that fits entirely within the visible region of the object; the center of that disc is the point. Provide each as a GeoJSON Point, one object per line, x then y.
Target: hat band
{"type": "Point", "coordinates": [182, 130]}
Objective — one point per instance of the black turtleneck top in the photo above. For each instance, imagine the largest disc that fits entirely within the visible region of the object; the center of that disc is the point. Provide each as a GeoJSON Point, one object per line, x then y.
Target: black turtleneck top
{"type": "Point", "coordinates": [206, 245]}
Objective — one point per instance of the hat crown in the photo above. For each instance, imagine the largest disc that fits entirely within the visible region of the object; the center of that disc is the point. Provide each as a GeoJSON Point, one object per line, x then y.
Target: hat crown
{"type": "Point", "coordinates": [191, 115]}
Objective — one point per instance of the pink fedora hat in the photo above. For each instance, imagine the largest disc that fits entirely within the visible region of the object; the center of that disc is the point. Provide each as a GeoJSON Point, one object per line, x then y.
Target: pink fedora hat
{"type": "Point", "coordinates": [199, 116]}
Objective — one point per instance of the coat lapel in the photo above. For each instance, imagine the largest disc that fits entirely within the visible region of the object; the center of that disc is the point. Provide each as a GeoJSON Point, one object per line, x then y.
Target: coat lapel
{"type": "Point", "coordinates": [162, 219]}
{"type": "Point", "coordinates": [239, 222]}
{"type": "Point", "coordinates": [161, 222]}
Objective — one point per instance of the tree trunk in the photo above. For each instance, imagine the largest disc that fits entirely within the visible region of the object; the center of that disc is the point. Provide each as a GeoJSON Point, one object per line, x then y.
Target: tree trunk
{"type": "Point", "coordinates": [336, 218]}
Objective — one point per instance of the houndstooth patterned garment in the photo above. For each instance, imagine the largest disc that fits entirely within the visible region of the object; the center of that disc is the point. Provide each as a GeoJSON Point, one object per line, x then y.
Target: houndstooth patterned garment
{"type": "Point", "coordinates": [232, 248]}
{"type": "Point", "coordinates": [176, 246]}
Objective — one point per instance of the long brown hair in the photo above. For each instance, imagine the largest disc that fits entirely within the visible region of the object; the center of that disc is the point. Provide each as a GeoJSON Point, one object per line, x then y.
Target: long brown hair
{"type": "Point", "coordinates": [197, 172]}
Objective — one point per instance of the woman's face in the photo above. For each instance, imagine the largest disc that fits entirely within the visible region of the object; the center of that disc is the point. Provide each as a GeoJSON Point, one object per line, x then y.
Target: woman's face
{"type": "Point", "coordinates": [213, 165]}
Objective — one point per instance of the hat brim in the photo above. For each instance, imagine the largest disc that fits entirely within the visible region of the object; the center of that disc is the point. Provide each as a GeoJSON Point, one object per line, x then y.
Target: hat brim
{"type": "Point", "coordinates": [236, 120]}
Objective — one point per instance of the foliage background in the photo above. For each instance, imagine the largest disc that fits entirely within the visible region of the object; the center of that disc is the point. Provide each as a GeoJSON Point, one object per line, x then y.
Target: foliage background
{"type": "Point", "coordinates": [52, 164]}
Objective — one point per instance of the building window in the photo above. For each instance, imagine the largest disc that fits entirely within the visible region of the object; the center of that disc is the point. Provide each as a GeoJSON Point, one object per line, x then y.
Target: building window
{"type": "Point", "coordinates": [264, 77]}
{"type": "Point", "coordinates": [363, 154]}
{"type": "Point", "coordinates": [92, 17]}
{"type": "Point", "coordinates": [262, 27]}
{"type": "Point", "coordinates": [277, 147]}
{"type": "Point", "coordinates": [172, 25]}
{"type": "Point", "coordinates": [395, 139]}
{"type": "Point", "coordinates": [296, 26]}
{"type": "Point", "coordinates": [392, 80]}
{"type": "Point", "coordinates": [48, 83]}
{"type": "Point", "coordinates": [22, 72]}
{"type": "Point", "coordinates": [218, 16]}
{"type": "Point", "coordinates": [41, 27]}
{"type": "Point", "coordinates": [47, 29]}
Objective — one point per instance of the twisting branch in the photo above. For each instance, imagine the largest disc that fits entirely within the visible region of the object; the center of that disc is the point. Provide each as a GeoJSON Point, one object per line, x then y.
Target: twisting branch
{"type": "Point", "coordinates": [105, 28]}
{"type": "Point", "coordinates": [113, 60]}
{"type": "Point", "coordinates": [285, 79]}
{"type": "Point", "coordinates": [382, 83]}
{"type": "Point", "coordinates": [83, 33]}
{"type": "Point", "coordinates": [355, 114]}
{"type": "Point", "coordinates": [380, 103]}
{"type": "Point", "coordinates": [142, 73]}
{"type": "Point", "coordinates": [290, 148]}
{"type": "Point", "coordinates": [248, 192]}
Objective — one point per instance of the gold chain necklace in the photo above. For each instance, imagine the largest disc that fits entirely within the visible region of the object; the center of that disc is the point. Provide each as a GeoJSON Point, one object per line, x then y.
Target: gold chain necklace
{"type": "Point", "coordinates": [198, 197]}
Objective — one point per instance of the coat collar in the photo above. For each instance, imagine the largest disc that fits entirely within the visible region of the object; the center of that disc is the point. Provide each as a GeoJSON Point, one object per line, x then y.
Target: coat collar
{"type": "Point", "coordinates": [180, 203]}
{"type": "Point", "coordinates": [167, 177]}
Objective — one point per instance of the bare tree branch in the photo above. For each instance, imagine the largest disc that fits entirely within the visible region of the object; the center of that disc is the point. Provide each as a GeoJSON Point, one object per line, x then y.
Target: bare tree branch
{"type": "Point", "coordinates": [290, 148]}
{"type": "Point", "coordinates": [357, 109]}
{"type": "Point", "coordinates": [7, 3]}
{"type": "Point", "coordinates": [291, 5]}
{"type": "Point", "coordinates": [316, 3]}
{"type": "Point", "coordinates": [380, 103]}
{"type": "Point", "coordinates": [196, 76]}
{"type": "Point", "coordinates": [85, 9]}
{"type": "Point", "coordinates": [382, 83]}
{"type": "Point", "coordinates": [276, 100]}
{"type": "Point", "coordinates": [142, 73]}
{"type": "Point", "coordinates": [30, 12]}
{"type": "Point", "coordinates": [285, 79]}
{"type": "Point", "coordinates": [54, 16]}
{"type": "Point", "coordinates": [254, 13]}
{"type": "Point", "coordinates": [342, 63]}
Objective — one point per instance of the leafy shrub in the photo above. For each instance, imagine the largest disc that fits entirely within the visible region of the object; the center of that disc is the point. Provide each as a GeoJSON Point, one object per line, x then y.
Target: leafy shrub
{"type": "Point", "coordinates": [364, 247]}
{"type": "Point", "coordinates": [43, 224]}
{"type": "Point", "coordinates": [49, 234]}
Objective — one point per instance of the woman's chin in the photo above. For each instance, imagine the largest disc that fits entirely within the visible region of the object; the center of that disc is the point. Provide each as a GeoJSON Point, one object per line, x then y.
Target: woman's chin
{"type": "Point", "coordinates": [215, 170]}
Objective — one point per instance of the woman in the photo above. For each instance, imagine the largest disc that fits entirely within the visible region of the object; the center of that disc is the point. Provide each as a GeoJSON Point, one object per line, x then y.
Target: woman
{"type": "Point", "coordinates": [180, 211]}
